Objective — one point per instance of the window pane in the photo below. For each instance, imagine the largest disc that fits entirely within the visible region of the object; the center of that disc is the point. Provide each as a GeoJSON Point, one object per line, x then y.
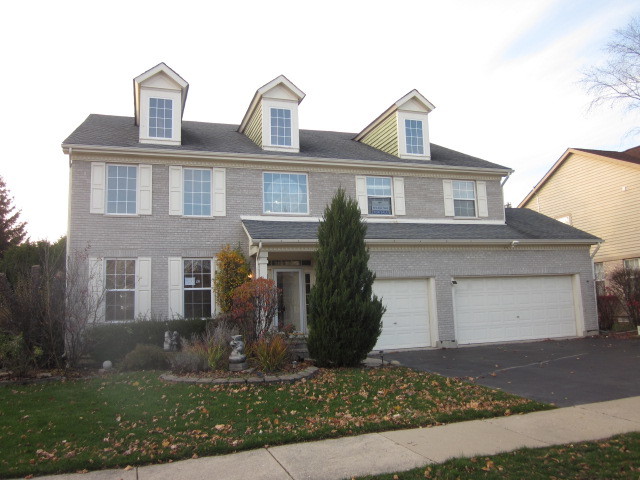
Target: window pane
{"type": "Point", "coordinates": [197, 288]}
{"type": "Point", "coordinates": [379, 195]}
{"type": "Point", "coordinates": [464, 208]}
{"type": "Point", "coordinates": [120, 286]}
{"type": "Point", "coordinates": [197, 191]}
{"type": "Point", "coordinates": [160, 114]}
{"type": "Point", "coordinates": [414, 138]}
{"type": "Point", "coordinates": [379, 206]}
{"type": "Point", "coordinates": [285, 193]}
{"type": "Point", "coordinates": [280, 126]}
{"type": "Point", "coordinates": [121, 189]}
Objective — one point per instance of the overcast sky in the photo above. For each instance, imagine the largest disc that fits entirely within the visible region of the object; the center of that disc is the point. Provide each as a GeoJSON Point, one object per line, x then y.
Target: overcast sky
{"type": "Point", "coordinates": [503, 75]}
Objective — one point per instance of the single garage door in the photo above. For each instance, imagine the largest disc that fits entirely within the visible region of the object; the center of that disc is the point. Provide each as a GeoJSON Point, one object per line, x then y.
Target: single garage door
{"type": "Point", "coordinates": [502, 309]}
{"type": "Point", "coordinates": [405, 324]}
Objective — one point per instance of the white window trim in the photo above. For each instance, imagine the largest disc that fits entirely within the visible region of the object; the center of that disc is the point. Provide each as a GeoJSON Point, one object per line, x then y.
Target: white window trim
{"type": "Point", "coordinates": [218, 192]}
{"type": "Point", "coordinates": [398, 207]}
{"type": "Point", "coordinates": [106, 190]}
{"type": "Point", "coordinates": [146, 93]}
{"type": "Point", "coordinates": [402, 135]}
{"type": "Point", "coordinates": [211, 193]}
{"type": "Point", "coordinates": [213, 274]}
{"type": "Point", "coordinates": [142, 289]}
{"type": "Point", "coordinates": [267, 105]}
{"type": "Point", "coordinates": [176, 285]}
{"type": "Point", "coordinates": [475, 199]}
{"type": "Point", "coordinates": [481, 201]}
{"type": "Point", "coordinates": [286, 213]}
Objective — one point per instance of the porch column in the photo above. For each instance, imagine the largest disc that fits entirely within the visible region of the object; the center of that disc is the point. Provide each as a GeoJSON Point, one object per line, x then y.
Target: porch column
{"type": "Point", "coordinates": [262, 264]}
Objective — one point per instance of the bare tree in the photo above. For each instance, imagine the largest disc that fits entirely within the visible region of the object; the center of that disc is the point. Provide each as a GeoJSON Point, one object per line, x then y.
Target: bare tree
{"type": "Point", "coordinates": [618, 81]}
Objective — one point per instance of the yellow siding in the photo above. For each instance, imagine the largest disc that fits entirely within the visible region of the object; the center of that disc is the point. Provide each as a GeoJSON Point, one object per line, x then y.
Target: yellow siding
{"type": "Point", "coordinates": [254, 127]}
{"type": "Point", "coordinates": [385, 136]}
{"type": "Point", "coordinates": [601, 196]}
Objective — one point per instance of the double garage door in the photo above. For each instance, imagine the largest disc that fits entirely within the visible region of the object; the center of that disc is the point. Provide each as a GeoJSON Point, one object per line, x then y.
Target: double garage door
{"type": "Point", "coordinates": [486, 309]}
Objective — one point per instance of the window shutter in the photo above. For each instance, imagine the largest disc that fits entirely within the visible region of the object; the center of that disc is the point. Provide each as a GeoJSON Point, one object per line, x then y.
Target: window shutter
{"type": "Point", "coordinates": [96, 287]}
{"type": "Point", "coordinates": [219, 192]}
{"type": "Point", "coordinates": [175, 190]}
{"type": "Point", "coordinates": [398, 196]}
{"type": "Point", "coordinates": [143, 288]}
{"type": "Point", "coordinates": [447, 186]}
{"type": "Point", "coordinates": [481, 188]}
{"type": "Point", "coordinates": [98, 187]}
{"type": "Point", "coordinates": [176, 304]}
{"type": "Point", "coordinates": [146, 178]}
{"type": "Point", "coordinates": [361, 194]}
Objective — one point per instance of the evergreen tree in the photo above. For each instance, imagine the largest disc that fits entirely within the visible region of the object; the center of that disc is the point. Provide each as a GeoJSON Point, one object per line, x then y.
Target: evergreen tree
{"type": "Point", "coordinates": [345, 317]}
{"type": "Point", "coordinates": [12, 232]}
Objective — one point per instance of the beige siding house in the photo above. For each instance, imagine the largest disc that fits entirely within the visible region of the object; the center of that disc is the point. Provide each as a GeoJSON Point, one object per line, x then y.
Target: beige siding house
{"type": "Point", "coordinates": [599, 192]}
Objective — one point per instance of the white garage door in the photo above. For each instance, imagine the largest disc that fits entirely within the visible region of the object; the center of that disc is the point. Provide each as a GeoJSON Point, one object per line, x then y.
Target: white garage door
{"type": "Point", "coordinates": [405, 324]}
{"type": "Point", "coordinates": [501, 309]}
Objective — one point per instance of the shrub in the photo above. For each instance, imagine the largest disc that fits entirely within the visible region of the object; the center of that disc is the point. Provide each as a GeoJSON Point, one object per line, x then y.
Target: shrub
{"type": "Point", "coordinates": [607, 308]}
{"type": "Point", "coordinates": [216, 338]}
{"type": "Point", "coordinates": [112, 341]}
{"type": "Point", "coordinates": [192, 359]}
{"type": "Point", "coordinates": [255, 305]}
{"type": "Point", "coordinates": [270, 352]}
{"type": "Point", "coordinates": [624, 283]}
{"type": "Point", "coordinates": [345, 318]}
{"type": "Point", "coordinates": [145, 357]}
{"type": "Point", "coordinates": [16, 356]}
{"type": "Point", "coordinates": [232, 270]}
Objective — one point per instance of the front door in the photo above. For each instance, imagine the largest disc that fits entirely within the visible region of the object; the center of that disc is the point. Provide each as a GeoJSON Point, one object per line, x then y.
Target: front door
{"type": "Point", "coordinates": [291, 309]}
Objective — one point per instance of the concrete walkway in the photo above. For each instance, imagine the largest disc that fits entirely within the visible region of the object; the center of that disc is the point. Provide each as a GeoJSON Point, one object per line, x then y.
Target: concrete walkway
{"type": "Point", "coordinates": [398, 450]}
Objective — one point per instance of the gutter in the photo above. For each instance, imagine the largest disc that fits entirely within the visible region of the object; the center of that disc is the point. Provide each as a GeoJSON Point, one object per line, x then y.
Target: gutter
{"type": "Point", "coordinates": [506, 178]}
{"type": "Point", "coordinates": [375, 241]}
{"type": "Point", "coordinates": [266, 158]}
{"type": "Point", "coordinates": [596, 250]}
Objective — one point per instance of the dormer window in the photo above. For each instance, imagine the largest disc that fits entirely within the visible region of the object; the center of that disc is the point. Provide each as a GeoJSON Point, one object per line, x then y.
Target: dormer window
{"type": "Point", "coordinates": [414, 137]}
{"type": "Point", "coordinates": [159, 98]}
{"type": "Point", "coordinates": [281, 127]}
{"type": "Point", "coordinates": [160, 117]}
{"type": "Point", "coordinates": [271, 121]}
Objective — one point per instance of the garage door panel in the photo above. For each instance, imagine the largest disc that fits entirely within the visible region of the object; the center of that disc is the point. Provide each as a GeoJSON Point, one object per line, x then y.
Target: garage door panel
{"type": "Point", "coordinates": [405, 324]}
{"type": "Point", "coordinates": [495, 309]}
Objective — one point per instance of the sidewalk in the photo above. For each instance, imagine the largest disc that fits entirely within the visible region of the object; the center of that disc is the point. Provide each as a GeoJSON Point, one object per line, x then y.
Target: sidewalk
{"type": "Point", "coordinates": [398, 450]}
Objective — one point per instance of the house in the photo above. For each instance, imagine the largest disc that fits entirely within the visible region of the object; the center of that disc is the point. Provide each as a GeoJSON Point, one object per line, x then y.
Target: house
{"type": "Point", "coordinates": [595, 190]}
{"type": "Point", "coordinates": [156, 197]}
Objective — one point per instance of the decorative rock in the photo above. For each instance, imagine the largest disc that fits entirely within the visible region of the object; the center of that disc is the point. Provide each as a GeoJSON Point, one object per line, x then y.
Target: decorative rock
{"type": "Point", "coordinates": [107, 365]}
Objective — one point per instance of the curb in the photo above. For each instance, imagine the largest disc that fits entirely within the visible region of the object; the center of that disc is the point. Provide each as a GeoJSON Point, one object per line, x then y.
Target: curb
{"type": "Point", "coordinates": [305, 374]}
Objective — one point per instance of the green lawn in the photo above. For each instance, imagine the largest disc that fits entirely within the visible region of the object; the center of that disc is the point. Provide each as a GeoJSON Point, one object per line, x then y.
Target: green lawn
{"type": "Point", "coordinates": [135, 419]}
{"type": "Point", "coordinates": [616, 458]}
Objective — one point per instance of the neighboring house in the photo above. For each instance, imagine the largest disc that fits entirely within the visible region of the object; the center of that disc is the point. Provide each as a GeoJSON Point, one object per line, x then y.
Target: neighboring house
{"type": "Point", "coordinates": [597, 191]}
{"type": "Point", "coordinates": [156, 198]}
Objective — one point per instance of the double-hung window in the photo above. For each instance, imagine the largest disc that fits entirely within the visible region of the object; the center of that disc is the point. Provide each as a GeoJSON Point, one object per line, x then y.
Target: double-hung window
{"type": "Point", "coordinates": [197, 288]}
{"type": "Point", "coordinates": [632, 263]}
{"type": "Point", "coordinates": [379, 196]}
{"type": "Point", "coordinates": [285, 193]}
{"type": "Point", "coordinates": [601, 277]}
{"type": "Point", "coordinates": [414, 137]}
{"type": "Point", "coordinates": [197, 192]}
{"type": "Point", "coordinates": [464, 198]}
{"type": "Point", "coordinates": [160, 117]}
{"type": "Point", "coordinates": [122, 187]}
{"type": "Point", "coordinates": [120, 289]}
{"type": "Point", "coordinates": [281, 127]}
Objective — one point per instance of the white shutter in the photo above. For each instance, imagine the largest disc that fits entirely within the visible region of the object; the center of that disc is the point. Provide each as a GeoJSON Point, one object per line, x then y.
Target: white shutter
{"type": "Point", "coordinates": [361, 194]}
{"type": "Point", "coordinates": [219, 192]}
{"type": "Point", "coordinates": [447, 186]}
{"type": "Point", "coordinates": [483, 210]}
{"type": "Point", "coordinates": [398, 196]}
{"type": "Point", "coordinates": [143, 287]}
{"type": "Point", "coordinates": [175, 190]}
{"type": "Point", "coordinates": [96, 287]}
{"type": "Point", "coordinates": [98, 187]}
{"type": "Point", "coordinates": [176, 305]}
{"type": "Point", "coordinates": [146, 179]}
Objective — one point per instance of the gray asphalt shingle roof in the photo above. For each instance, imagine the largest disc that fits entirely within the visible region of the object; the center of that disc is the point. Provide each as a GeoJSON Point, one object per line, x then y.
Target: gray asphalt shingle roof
{"type": "Point", "coordinates": [113, 131]}
{"type": "Point", "coordinates": [521, 224]}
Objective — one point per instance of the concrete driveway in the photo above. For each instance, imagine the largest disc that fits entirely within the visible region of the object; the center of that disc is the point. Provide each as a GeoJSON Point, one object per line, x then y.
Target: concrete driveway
{"type": "Point", "coordinates": [562, 372]}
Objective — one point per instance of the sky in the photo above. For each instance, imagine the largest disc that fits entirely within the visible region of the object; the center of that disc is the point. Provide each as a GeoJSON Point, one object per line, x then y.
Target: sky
{"type": "Point", "coordinates": [504, 75]}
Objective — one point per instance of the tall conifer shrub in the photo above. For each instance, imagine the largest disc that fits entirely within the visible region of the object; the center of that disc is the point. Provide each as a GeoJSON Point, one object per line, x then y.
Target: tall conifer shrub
{"type": "Point", "coordinates": [345, 317]}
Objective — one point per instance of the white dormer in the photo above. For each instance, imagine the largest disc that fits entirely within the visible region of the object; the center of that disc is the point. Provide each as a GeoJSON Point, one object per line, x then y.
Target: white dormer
{"type": "Point", "coordinates": [272, 118]}
{"type": "Point", "coordinates": [403, 129]}
{"type": "Point", "coordinates": [160, 95]}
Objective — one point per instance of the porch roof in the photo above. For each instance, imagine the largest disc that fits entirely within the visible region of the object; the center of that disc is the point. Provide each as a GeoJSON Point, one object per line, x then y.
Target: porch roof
{"type": "Point", "coordinates": [521, 225]}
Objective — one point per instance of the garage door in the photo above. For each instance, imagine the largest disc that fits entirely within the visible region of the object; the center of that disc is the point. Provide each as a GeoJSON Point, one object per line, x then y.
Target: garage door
{"type": "Point", "coordinates": [502, 309]}
{"type": "Point", "coordinates": [405, 324]}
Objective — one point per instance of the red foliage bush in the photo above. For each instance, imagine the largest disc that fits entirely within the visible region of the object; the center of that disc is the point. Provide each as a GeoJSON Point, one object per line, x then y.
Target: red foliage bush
{"type": "Point", "coordinates": [254, 308]}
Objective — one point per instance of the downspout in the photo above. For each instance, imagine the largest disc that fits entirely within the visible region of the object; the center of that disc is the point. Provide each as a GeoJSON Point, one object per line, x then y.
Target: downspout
{"type": "Point", "coordinates": [505, 179]}
{"type": "Point", "coordinates": [258, 259]}
{"type": "Point", "coordinates": [596, 250]}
